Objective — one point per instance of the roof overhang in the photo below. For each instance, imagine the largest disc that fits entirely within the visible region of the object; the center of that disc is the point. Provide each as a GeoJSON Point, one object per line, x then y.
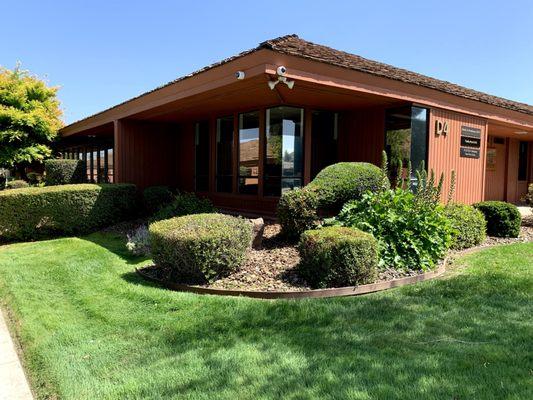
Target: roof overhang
{"type": "Point", "coordinates": [220, 84]}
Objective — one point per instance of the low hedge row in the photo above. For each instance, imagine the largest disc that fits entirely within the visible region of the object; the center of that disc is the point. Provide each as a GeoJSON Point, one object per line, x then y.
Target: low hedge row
{"type": "Point", "coordinates": [64, 172]}
{"type": "Point", "coordinates": [338, 256]}
{"type": "Point", "coordinates": [200, 247]}
{"type": "Point", "coordinates": [39, 212]}
{"type": "Point", "coordinates": [184, 204]}
{"type": "Point", "coordinates": [156, 197]}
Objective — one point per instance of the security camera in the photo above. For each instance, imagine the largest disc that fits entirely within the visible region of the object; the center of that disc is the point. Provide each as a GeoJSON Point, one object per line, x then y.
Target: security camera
{"type": "Point", "coordinates": [281, 70]}
{"type": "Point", "coordinates": [240, 75]}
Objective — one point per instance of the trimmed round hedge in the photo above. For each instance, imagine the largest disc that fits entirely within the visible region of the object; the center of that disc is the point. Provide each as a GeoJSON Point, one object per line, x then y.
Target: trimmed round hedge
{"type": "Point", "coordinates": [17, 184]}
{"type": "Point", "coordinates": [338, 256]}
{"type": "Point", "coordinates": [469, 225]}
{"type": "Point", "coordinates": [64, 172]}
{"type": "Point", "coordinates": [39, 212]}
{"type": "Point", "coordinates": [156, 197]}
{"type": "Point", "coordinates": [297, 212]}
{"type": "Point", "coordinates": [345, 181]}
{"type": "Point", "coordinates": [200, 247]}
{"type": "Point", "coordinates": [503, 219]}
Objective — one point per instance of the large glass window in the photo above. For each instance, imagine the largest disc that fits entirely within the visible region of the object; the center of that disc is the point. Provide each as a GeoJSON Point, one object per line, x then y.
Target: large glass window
{"type": "Point", "coordinates": [284, 150]}
{"type": "Point", "coordinates": [202, 156]}
{"type": "Point", "coordinates": [323, 140]}
{"type": "Point", "coordinates": [249, 152]}
{"type": "Point", "coordinates": [522, 161]}
{"type": "Point", "coordinates": [224, 156]}
{"type": "Point", "coordinates": [406, 135]}
{"type": "Point", "coordinates": [110, 166]}
{"type": "Point", "coordinates": [102, 166]}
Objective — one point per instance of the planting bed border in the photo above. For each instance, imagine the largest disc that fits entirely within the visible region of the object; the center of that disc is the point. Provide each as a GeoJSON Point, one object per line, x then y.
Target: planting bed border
{"type": "Point", "coordinates": [302, 294]}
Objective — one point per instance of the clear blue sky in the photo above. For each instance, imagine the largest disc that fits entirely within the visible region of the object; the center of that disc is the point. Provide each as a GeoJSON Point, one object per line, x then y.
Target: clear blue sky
{"type": "Point", "coordinates": [104, 52]}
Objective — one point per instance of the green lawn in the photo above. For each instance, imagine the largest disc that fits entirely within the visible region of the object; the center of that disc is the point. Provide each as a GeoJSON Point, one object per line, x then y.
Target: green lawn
{"type": "Point", "coordinates": [91, 329]}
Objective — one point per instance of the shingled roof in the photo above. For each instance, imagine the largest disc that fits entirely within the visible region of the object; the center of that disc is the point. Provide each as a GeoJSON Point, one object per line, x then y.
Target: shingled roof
{"type": "Point", "coordinates": [294, 46]}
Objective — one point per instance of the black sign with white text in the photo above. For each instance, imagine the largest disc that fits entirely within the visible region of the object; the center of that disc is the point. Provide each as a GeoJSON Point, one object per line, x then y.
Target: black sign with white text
{"type": "Point", "coordinates": [469, 153]}
{"type": "Point", "coordinates": [470, 142]}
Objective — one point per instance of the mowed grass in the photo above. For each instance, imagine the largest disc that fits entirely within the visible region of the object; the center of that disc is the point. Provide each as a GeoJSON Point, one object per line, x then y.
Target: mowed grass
{"type": "Point", "coordinates": [91, 329]}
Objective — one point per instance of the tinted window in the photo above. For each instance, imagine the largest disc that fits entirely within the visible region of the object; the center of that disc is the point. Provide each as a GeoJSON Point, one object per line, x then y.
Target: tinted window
{"type": "Point", "coordinates": [324, 140]}
{"type": "Point", "coordinates": [406, 132]}
{"type": "Point", "coordinates": [224, 170]}
{"type": "Point", "coordinates": [249, 152]}
{"type": "Point", "coordinates": [522, 161]}
{"type": "Point", "coordinates": [284, 150]}
{"type": "Point", "coordinates": [201, 156]}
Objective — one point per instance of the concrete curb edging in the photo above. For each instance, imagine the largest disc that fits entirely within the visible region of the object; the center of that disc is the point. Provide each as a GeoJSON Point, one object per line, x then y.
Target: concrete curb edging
{"type": "Point", "coordinates": [313, 293]}
{"type": "Point", "coordinates": [13, 382]}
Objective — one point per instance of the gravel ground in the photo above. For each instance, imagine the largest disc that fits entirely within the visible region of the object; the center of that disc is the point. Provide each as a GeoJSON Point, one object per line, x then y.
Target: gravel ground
{"type": "Point", "coordinates": [273, 268]}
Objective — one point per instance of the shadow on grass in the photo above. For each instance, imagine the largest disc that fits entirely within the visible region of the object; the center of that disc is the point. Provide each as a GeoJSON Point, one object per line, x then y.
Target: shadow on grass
{"type": "Point", "coordinates": [115, 243]}
{"type": "Point", "coordinates": [448, 338]}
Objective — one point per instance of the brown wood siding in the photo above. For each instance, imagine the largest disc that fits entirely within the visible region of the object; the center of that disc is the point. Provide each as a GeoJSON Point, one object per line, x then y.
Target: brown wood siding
{"type": "Point", "coordinates": [444, 156]}
{"type": "Point", "coordinates": [362, 135]}
{"type": "Point", "coordinates": [184, 157]}
{"type": "Point", "coordinates": [495, 182]}
{"type": "Point", "coordinates": [145, 153]}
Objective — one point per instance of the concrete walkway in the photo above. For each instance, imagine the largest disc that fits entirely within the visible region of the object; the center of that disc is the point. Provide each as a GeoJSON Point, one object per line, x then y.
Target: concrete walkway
{"type": "Point", "coordinates": [13, 383]}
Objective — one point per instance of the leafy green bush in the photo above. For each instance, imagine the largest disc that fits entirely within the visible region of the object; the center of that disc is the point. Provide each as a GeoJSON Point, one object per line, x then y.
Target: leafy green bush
{"type": "Point", "coordinates": [184, 204]}
{"type": "Point", "coordinates": [338, 256]}
{"type": "Point", "coordinates": [33, 213]}
{"type": "Point", "coordinates": [200, 247]}
{"type": "Point", "coordinates": [35, 179]}
{"type": "Point", "coordinates": [297, 212]}
{"type": "Point", "coordinates": [64, 172]}
{"type": "Point", "coordinates": [528, 197]}
{"type": "Point", "coordinates": [469, 225]}
{"type": "Point", "coordinates": [345, 181]}
{"type": "Point", "coordinates": [17, 184]}
{"type": "Point", "coordinates": [503, 219]}
{"type": "Point", "coordinates": [411, 234]}
{"type": "Point", "coordinates": [156, 197]}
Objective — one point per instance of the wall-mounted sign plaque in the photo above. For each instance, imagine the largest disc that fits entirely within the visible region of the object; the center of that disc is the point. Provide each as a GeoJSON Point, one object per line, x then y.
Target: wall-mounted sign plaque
{"type": "Point", "coordinates": [471, 132]}
{"type": "Point", "coordinates": [469, 153]}
{"type": "Point", "coordinates": [491, 159]}
{"type": "Point", "coordinates": [470, 142]}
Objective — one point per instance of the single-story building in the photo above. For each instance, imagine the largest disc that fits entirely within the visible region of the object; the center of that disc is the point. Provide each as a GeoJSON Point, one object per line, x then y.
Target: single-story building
{"type": "Point", "coordinates": [246, 129]}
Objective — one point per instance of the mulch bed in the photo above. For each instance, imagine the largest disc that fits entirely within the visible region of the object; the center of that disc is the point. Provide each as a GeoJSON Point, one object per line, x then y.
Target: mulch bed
{"type": "Point", "coordinates": [274, 266]}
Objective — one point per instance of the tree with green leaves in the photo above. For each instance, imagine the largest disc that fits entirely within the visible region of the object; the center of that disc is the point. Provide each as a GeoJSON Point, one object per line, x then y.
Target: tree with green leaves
{"type": "Point", "coordinates": [30, 118]}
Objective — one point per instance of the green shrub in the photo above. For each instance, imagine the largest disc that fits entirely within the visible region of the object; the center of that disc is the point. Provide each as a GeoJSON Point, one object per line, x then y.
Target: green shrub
{"type": "Point", "coordinates": [503, 219]}
{"type": "Point", "coordinates": [64, 172]}
{"type": "Point", "coordinates": [528, 197]}
{"type": "Point", "coordinates": [35, 178]}
{"type": "Point", "coordinates": [17, 184]}
{"type": "Point", "coordinates": [469, 225]}
{"type": "Point", "coordinates": [200, 247]}
{"type": "Point", "coordinates": [33, 213]}
{"type": "Point", "coordinates": [156, 197]}
{"type": "Point", "coordinates": [337, 256]}
{"type": "Point", "coordinates": [184, 204]}
{"type": "Point", "coordinates": [411, 234]}
{"type": "Point", "coordinates": [345, 181]}
{"type": "Point", "coordinates": [297, 212]}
